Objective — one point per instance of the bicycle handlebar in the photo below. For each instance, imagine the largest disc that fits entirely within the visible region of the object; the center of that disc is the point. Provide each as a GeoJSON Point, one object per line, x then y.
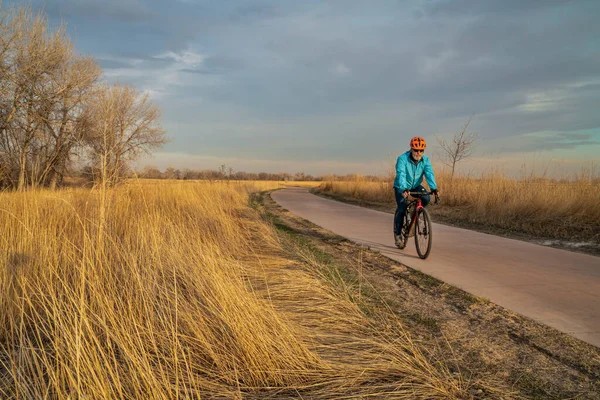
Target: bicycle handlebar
{"type": "Point", "coordinates": [420, 193]}
{"type": "Point", "coordinates": [437, 196]}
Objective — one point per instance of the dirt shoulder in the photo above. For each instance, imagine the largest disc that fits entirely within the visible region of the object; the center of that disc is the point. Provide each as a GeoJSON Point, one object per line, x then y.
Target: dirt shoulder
{"type": "Point", "coordinates": [504, 354]}
{"type": "Point", "coordinates": [455, 217]}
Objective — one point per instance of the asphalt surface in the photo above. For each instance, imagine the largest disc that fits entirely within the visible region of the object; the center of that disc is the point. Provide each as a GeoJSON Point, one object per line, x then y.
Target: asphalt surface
{"type": "Point", "coordinates": [556, 287]}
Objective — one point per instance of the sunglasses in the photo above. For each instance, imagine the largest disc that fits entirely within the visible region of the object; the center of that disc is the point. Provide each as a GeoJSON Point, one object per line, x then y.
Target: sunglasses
{"type": "Point", "coordinates": [418, 151]}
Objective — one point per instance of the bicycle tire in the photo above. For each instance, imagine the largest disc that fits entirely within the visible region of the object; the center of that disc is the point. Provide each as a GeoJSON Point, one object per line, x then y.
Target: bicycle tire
{"type": "Point", "coordinates": [394, 226]}
{"type": "Point", "coordinates": [423, 231]}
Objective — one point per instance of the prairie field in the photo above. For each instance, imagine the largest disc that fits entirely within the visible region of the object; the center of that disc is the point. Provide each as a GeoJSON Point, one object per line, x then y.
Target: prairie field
{"type": "Point", "coordinates": [182, 290]}
{"type": "Point", "coordinates": [540, 207]}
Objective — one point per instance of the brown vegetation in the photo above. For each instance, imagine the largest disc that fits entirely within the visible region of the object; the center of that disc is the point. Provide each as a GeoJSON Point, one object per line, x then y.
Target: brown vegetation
{"type": "Point", "coordinates": [180, 289]}
{"type": "Point", "coordinates": [539, 207]}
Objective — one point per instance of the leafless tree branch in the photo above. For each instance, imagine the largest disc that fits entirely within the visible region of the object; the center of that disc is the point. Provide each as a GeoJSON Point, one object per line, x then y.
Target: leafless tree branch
{"type": "Point", "coordinates": [460, 148]}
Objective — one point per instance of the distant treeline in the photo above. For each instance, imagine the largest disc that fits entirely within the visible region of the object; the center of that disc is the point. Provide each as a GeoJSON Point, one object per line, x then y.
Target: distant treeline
{"type": "Point", "coordinates": [224, 173]}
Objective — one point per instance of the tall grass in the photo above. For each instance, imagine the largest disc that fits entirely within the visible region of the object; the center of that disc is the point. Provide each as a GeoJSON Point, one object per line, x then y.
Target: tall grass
{"type": "Point", "coordinates": [532, 205]}
{"type": "Point", "coordinates": [180, 290]}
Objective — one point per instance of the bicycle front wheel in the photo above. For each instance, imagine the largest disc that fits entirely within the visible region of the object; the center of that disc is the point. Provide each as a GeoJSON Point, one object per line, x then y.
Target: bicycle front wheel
{"type": "Point", "coordinates": [423, 234]}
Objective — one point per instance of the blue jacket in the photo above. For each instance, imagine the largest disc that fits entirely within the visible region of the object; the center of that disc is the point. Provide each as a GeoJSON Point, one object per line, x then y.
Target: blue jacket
{"type": "Point", "coordinates": [409, 175]}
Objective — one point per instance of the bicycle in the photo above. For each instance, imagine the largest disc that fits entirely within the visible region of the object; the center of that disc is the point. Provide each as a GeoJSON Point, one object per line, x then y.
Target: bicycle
{"type": "Point", "coordinates": [417, 223]}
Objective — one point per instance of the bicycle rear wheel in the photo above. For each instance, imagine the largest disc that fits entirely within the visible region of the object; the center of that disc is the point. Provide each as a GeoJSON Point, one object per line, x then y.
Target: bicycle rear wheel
{"type": "Point", "coordinates": [423, 234]}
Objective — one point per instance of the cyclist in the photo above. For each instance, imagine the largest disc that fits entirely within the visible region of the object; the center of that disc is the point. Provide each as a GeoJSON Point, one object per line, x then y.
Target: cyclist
{"type": "Point", "coordinates": [410, 169]}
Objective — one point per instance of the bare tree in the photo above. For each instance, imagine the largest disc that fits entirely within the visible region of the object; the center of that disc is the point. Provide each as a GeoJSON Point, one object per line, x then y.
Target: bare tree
{"type": "Point", "coordinates": [66, 122]}
{"type": "Point", "coordinates": [222, 171]}
{"type": "Point", "coordinates": [172, 173]}
{"type": "Point", "coordinates": [13, 25]}
{"type": "Point", "coordinates": [43, 87]}
{"type": "Point", "coordinates": [123, 125]}
{"type": "Point", "coordinates": [10, 27]}
{"type": "Point", "coordinates": [33, 58]}
{"type": "Point", "coordinates": [459, 148]}
{"type": "Point", "coordinates": [51, 106]}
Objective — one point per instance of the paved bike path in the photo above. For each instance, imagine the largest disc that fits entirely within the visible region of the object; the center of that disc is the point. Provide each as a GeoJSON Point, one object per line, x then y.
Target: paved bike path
{"type": "Point", "coordinates": [556, 287]}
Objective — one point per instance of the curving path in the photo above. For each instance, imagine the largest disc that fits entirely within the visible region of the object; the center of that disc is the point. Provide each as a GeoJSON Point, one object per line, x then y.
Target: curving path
{"type": "Point", "coordinates": [556, 287]}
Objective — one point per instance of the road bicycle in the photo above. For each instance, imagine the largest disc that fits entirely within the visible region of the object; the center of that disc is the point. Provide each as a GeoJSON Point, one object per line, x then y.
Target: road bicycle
{"type": "Point", "coordinates": [417, 223]}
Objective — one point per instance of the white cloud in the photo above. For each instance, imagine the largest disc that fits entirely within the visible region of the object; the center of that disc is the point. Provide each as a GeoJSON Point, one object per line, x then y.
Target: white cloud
{"type": "Point", "coordinates": [160, 79]}
{"type": "Point", "coordinates": [542, 101]}
{"type": "Point", "coordinates": [124, 73]}
{"type": "Point", "coordinates": [552, 99]}
{"type": "Point", "coordinates": [184, 59]}
{"type": "Point", "coordinates": [436, 65]}
{"type": "Point", "coordinates": [123, 60]}
{"type": "Point", "coordinates": [342, 70]}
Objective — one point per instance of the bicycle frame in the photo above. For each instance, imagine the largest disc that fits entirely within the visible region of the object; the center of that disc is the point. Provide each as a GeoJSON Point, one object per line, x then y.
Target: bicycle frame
{"type": "Point", "coordinates": [418, 205]}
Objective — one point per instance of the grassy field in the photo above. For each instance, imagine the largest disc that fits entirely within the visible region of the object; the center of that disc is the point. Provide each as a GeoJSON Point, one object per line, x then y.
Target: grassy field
{"type": "Point", "coordinates": [566, 210]}
{"type": "Point", "coordinates": [180, 289]}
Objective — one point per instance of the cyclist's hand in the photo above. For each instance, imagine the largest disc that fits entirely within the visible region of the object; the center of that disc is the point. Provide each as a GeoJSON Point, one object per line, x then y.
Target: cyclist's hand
{"type": "Point", "coordinates": [435, 192]}
{"type": "Point", "coordinates": [405, 193]}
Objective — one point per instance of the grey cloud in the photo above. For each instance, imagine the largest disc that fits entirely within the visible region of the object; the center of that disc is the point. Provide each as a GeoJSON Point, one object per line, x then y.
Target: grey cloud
{"type": "Point", "coordinates": [254, 11]}
{"type": "Point", "coordinates": [138, 57]}
{"type": "Point", "coordinates": [426, 65]}
{"type": "Point", "coordinates": [380, 72]}
{"type": "Point", "coordinates": [491, 60]}
{"type": "Point", "coordinates": [455, 8]}
{"type": "Point", "coordinates": [124, 10]}
{"type": "Point", "coordinates": [582, 137]}
{"type": "Point", "coordinates": [558, 142]}
{"type": "Point", "coordinates": [143, 27]}
{"type": "Point", "coordinates": [508, 54]}
{"type": "Point", "coordinates": [111, 63]}
{"type": "Point", "coordinates": [217, 65]}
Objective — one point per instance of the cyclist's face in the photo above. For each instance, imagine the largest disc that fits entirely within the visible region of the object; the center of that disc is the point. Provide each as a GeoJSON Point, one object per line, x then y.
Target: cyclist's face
{"type": "Point", "coordinates": [417, 154]}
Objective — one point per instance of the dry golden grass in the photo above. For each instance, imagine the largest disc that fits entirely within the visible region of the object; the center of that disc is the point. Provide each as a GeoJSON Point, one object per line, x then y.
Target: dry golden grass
{"type": "Point", "coordinates": [538, 206]}
{"type": "Point", "coordinates": [167, 290]}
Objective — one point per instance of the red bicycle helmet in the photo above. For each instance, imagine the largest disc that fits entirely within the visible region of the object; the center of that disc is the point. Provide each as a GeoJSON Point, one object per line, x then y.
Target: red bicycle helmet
{"type": "Point", "coordinates": [418, 143]}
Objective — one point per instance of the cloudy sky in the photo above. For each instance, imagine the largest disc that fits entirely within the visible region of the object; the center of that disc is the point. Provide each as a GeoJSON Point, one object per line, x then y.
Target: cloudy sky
{"type": "Point", "coordinates": [341, 86]}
